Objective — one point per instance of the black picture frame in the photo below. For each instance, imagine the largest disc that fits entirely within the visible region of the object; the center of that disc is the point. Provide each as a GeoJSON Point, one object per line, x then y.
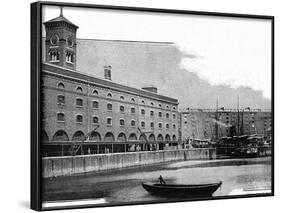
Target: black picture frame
{"type": "Point", "coordinates": [36, 54]}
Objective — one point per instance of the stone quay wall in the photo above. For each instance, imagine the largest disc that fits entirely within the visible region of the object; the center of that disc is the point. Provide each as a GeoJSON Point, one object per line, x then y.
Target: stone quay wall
{"type": "Point", "coordinates": [69, 165]}
{"type": "Point", "coordinates": [264, 151]}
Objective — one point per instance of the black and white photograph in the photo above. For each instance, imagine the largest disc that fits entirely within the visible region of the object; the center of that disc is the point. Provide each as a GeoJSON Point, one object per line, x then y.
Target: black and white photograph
{"type": "Point", "coordinates": [140, 106]}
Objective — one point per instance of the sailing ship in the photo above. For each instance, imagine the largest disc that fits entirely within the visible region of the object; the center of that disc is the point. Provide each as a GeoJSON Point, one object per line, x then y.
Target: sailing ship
{"type": "Point", "coordinates": [238, 144]}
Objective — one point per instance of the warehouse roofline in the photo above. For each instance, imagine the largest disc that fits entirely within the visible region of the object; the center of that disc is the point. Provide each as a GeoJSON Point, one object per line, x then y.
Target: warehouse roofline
{"type": "Point", "coordinates": [68, 73]}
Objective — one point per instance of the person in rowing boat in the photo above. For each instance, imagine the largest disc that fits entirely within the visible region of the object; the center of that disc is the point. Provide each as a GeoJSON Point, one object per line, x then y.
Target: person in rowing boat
{"type": "Point", "coordinates": [162, 181]}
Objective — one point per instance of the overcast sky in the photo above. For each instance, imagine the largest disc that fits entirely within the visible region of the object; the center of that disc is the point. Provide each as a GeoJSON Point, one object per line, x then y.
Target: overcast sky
{"type": "Point", "coordinates": [231, 51]}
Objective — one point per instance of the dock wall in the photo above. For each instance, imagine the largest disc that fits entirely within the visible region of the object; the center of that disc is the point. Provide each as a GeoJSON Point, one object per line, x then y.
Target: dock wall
{"type": "Point", "coordinates": [264, 151]}
{"type": "Point", "coordinates": [68, 165]}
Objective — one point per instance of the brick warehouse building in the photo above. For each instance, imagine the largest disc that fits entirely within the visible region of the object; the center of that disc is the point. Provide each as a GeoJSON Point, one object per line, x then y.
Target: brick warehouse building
{"type": "Point", "coordinates": [201, 123]}
{"type": "Point", "coordinates": [80, 107]}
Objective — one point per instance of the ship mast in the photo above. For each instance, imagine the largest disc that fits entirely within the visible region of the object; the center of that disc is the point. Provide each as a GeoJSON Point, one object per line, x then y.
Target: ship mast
{"type": "Point", "coordinates": [238, 120]}
{"type": "Point", "coordinates": [216, 117]}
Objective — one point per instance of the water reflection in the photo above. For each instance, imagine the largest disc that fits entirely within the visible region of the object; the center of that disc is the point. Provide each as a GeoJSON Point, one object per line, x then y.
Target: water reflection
{"type": "Point", "coordinates": [125, 185]}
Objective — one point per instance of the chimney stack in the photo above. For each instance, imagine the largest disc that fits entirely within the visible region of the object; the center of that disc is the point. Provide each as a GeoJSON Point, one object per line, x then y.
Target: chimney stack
{"type": "Point", "coordinates": [150, 89]}
{"type": "Point", "coordinates": [107, 72]}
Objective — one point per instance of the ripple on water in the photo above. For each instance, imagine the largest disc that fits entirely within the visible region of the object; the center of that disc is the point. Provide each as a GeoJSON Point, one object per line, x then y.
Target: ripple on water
{"type": "Point", "coordinates": [125, 185]}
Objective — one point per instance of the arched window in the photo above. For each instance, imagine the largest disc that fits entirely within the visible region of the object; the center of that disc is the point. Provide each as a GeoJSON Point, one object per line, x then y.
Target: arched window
{"type": "Point", "coordinates": [54, 40]}
{"type": "Point", "coordinates": [167, 126]}
{"type": "Point", "coordinates": [122, 122]}
{"type": "Point", "coordinates": [95, 120]}
{"type": "Point", "coordinates": [174, 116]}
{"type": "Point", "coordinates": [152, 125]}
{"type": "Point", "coordinates": [142, 138]}
{"type": "Point", "coordinates": [95, 104]}
{"type": "Point", "coordinates": [133, 110]}
{"type": "Point", "coordinates": [151, 137]}
{"type": "Point", "coordinates": [167, 115]}
{"type": "Point", "coordinates": [109, 95]}
{"type": "Point", "coordinates": [133, 100]}
{"type": "Point", "coordinates": [95, 136]}
{"type": "Point", "coordinates": [142, 102]}
{"type": "Point", "coordinates": [95, 92]}
{"type": "Point", "coordinates": [109, 121]}
{"type": "Point", "coordinates": [122, 98]}
{"type": "Point", "coordinates": [54, 56]}
{"type": "Point", "coordinates": [122, 108]}
{"type": "Point", "coordinates": [167, 107]}
{"type": "Point", "coordinates": [109, 106]}
{"type": "Point", "coordinates": [133, 137]}
{"type": "Point", "coordinates": [60, 136]}
{"type": "Point", "coordinates": [78, 136]}
{"type": "Point", "coordinates": [79, 89]}
{"type": "Point", "coordinates": [121, 137]}
{"type": "Point", "coordinates": [61, 99]}
{"type": "Point", "coordinates": [79, 102]}
{"type": "Point", "coordinates": [160, 105]}
{"type": "Point", "coordinates": [167, 138]}
{"type": "Point", "coordinates": [58, 56]}
{"type": "Point", "coordinates": [69, 57]}
{"type": "Point", "coordinates": [142, 124]}
{"type": "Point", "coordinates": [160, 125]}
{"type": "Point", "coordinates": [79, 118]}
{"type": "Point", "coordinates": [142, 111]}
{"type": "Point", "coordinates": [60, 116]}
{"type": "Point", "coordinates": [72, 58]}
{"type": "Point", "coordinates": [174, 126]}
{"type": "Point", "coordinates": [174, 108]}
{"type": "Point", "coordinates": [159, 137]}
{"type": "Point", "coordinates": [60, 85]}
{"type": "Point", "coordinates": [174, 138]}
{"type": "Point", "coordinates": [51, 56]}
{"type": "Point", "coordinates": [152, 104]}
{"type": "Point", "coordinates": [159, 114]}
{"type": "Point", "coordinates": [109, 137]}
{"type": "Point", "coordinates": [133, 123]}
{"type": "Point", "coordinates": [151, 113]}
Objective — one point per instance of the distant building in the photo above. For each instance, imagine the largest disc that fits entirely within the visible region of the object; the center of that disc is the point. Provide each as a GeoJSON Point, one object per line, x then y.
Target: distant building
{"type": "Point", "coordinates": [80, 107]}
{"type": "Point", "coordinates": [209, 123]}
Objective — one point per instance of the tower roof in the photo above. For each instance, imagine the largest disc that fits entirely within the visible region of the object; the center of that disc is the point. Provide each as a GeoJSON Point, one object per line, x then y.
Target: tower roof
{"type": "Point", "coordinates": [60, 18]}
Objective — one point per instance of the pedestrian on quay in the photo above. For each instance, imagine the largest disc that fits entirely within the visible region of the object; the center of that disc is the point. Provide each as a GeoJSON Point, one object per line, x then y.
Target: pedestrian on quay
{"type": "Point", "coordinates": [162, 181]}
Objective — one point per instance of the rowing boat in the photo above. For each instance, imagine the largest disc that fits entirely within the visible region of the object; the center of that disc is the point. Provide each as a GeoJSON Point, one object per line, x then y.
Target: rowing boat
{"type": "Point", "coordinates": [181, 190]}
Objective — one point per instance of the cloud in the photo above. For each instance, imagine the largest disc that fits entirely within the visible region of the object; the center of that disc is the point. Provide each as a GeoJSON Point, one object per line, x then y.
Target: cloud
{"type": "Point", "coordinates": [236, 70]}
{"type": "Point", "coordinates": [210, 56]}
{"type": "Point", "coordinates": [164, 65]}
